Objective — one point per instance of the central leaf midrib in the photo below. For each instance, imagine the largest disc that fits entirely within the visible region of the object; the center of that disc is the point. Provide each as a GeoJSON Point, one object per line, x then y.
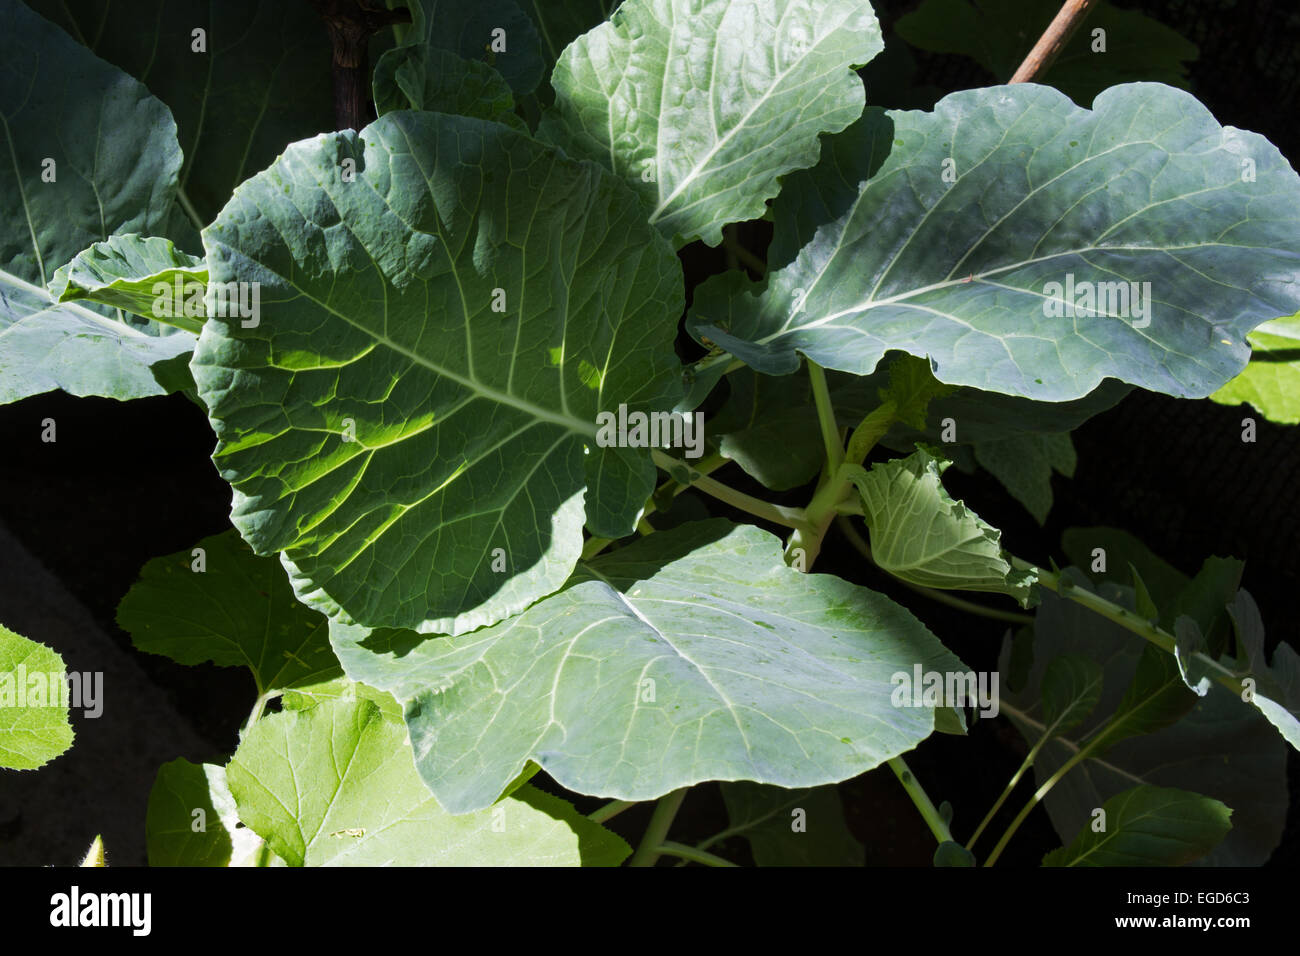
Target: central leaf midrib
{"type": "Point", "coordinates": [475, 386]}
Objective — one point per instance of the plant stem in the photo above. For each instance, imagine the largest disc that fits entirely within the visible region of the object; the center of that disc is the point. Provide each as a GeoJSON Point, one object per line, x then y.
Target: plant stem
{"type": "Point", "coordinates": [734, 248]}
{"type": "Point", "coordinates": [1053, 40]}
{"type": "Point", "coordinates": [1127, 620]}
{"type": "Point", "coordinates": [826, 417]}
{"type": "Point", "coordinates": [942, 597]}
{"type": "Point", "coordinates": [647, 852]}
{"type": "Point", "coordinates": [609, 811]}
{"type": "Point", "coordinates": [1041, 792]}
{"type": "Point", "coordinates": [777, 514]}
{"type": "Point", "coordinates": [183, 200]}
{"type": "Point", "coordinates": [938, 826]}
{"type": "Point", "coordinates": [1006, 792]}
{"type": "Point", "coordinates": [672, 848]}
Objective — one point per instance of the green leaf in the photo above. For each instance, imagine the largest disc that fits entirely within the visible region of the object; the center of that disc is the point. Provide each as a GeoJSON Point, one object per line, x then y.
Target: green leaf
{"type": "Point", "coordinates": [999, 34]}
{"type": "Point", "coordinates": [921, 535]}
{"type": "Point", "coordinates": [1277, 685]}
{"type": "Point", "coordinates": [121, 273]}
{"type": "Point", "coordinates": [263, 81]}
{"type": "Point", "coordinates": [1149, 826]}
{"type": "Point", "coordinates": [232, 609]}
{"type": "Point", "coordinates": [1024, 466]}
{"type": "Point", "coordinates": [470, 31]}
{"type": "Point", "coordinates": [1221, 748]}
{"type": "Point", "coordinates": [1271, 382]}
{"type": "Point", "coordinates": [701, 105]}
{"type": "Point", "coordinates": [89, 153]}
{"type": "Point", "coordinates": [1145, 188]}
{"type": "Point", "coordinates": [1070, 690]}
{"type": "Point", "coordinates": [424, 463]}
{"type": "Point", "coordinates": [802, 827]}
{"type": "Point", "coordinates": [911, 389]}
{"type": "Point", "coordinates": [34, 726]}
{"type": "Point", "coordinates": [693, 654]}
{"type": "Point", "coordinates": [420, 78]}
{"type": "Point", "coordinates": [950, 853]}
{"type": "Point", "coordinates": [192, 819]}
{"type": "Point", "coordinates": [335, 785]}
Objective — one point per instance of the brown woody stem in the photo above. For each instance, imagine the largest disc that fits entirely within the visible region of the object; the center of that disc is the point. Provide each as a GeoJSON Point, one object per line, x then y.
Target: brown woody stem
{"type": "Point", "coordinates": [1053, 40]}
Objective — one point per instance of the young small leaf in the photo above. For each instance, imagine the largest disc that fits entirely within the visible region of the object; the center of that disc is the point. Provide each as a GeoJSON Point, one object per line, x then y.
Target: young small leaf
{"type": "Point", "coordinates": [1148, 826]}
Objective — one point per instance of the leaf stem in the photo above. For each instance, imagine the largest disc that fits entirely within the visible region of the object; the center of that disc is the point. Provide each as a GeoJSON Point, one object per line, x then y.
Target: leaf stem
{"type": "Point", "coordinates": [1127, 620]}
{"type": "Point", "coordinates": [938, 826]}
{"type": "Point", "coordinates": [609, 811]}
{"type": "Point", "coordinates": [1080, 756]}
{"type": "Point", "coordinates": [826, 417]}
{"type": "Point", "coordinates": [183, 200]}
{"type": "Point", "coordinates": [1007, 790]}
{"type": "Point", "coordinates": [672, 848]}
{"type": "Point", "coordinates": [647, 852]}
{"type": "Point", "coordinates": [733, 246]}
{"type": "Point", "coordinates": [777, 514]}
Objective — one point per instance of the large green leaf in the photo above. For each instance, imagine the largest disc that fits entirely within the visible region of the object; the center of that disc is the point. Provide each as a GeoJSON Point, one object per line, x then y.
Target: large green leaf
{"type": "Point", "coordinates": [1222, 748]}
{"type": "Point", "coordinates": [460, 500]}
{"type": "Point", "coordinates": [694, 654]}
{"type": "Point", "coordinates": [192, 820]}
{"type": "Point", "coordinates": [123, 272]}
{"type": "Point", "coordinates": [921, 535]}
{"type": "Point", "coordinates": [87, 153]}
{"type": "Point", "coordinates": [335, 785]}
{"type": "Point", "coordinates": [802, 827]}
{"type": "Point", "coordinates": [1149, 826]}
{"type": "Point", "coordinates": [1271, 382]}
{"type": "Point", "coordinates": [263, 81]}
{"type": "Point", "coordinates": [957, 245]}
{"type": "Point", "coordinates": [702, 104]}
{"type": "Point", "coordinates": [34, 726]}
{"type": "Point", "coordinates": [999, 33]}
{"type": "Point", "coordinates": [235, 610]}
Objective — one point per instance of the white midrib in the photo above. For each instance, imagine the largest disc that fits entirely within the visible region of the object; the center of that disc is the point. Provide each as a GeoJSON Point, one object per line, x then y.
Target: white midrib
{"type": "Point", "coordinates": [724, 139]}
{"type": "Point", "coordinates": [475, 386]}
{"type": "Point", "coordinates": [867, 304]}
{"type": "Point", "coordinates": [121, 328]}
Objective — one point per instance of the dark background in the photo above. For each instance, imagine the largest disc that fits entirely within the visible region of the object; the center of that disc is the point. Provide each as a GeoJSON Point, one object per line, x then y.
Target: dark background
{"type": "Point", "coordinates": [127, 482]}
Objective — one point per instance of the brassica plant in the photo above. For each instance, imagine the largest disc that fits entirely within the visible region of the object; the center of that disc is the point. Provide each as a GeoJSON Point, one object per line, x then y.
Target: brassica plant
{"type": "Point", "coordinates": [503, 503]}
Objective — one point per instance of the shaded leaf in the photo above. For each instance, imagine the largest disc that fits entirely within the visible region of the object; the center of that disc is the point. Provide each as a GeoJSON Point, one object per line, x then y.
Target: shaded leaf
{"type": "Point", "coordinates": [1149, 826]}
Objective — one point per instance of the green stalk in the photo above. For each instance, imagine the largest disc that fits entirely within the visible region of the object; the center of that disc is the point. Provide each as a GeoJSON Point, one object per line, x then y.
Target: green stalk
{"type": "Point", "coordinates": [1127, 620]}
{"type": "Point", "coordinates": [609, 811]}
{"type": "Point", "coordinates": [938, 826]}
{"type": "Point", "coordinates": [1006, 792]}
{"type": "Point", "coordinates": [693, 854]}
{"type": "Point", "coordinates": [826, 417]}
{"type": "Point", "coordinates": [777, 514]}
{"type": "Point", "coordinates": [647, 852]}
{"type": "Point", "coordinates": [1039, 794]}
